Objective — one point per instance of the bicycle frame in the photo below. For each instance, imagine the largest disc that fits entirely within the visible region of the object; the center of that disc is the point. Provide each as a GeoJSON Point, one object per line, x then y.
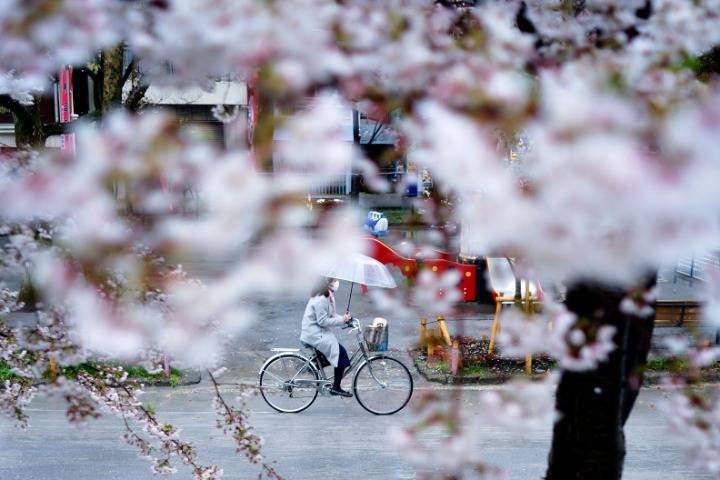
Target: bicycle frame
{"type": "Point", "coordinates": [358, 358]}
{"type": "Point", "coordinates": [304, 378]}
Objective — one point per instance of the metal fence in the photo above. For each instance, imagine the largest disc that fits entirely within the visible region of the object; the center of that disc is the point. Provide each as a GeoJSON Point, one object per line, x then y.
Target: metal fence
{"type": "Point", "coordinates": [696, 266]}
{"type": "Point", "coordinates": [341, 186]}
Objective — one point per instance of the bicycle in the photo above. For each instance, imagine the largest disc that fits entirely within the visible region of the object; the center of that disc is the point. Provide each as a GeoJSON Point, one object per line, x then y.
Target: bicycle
{"type": "Point", "coordinates": [290, 381]}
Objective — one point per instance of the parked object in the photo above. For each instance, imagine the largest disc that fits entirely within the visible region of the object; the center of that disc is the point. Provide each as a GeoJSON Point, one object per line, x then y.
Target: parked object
{"type": "Point", "coordinates": [508, 290]}
{"type": "Point", "coordinates": [376, 335]}
{"type": "Point", "coordinates": [376, 223]}
{"type": "Point", "coordinates": [471, 285]}
{"type": "Point", "coordinates": [411, 181]}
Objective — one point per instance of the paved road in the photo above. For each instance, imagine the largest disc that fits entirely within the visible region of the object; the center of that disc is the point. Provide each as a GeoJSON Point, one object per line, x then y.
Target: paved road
{"type": "Point", "coordinates": [335, 438]}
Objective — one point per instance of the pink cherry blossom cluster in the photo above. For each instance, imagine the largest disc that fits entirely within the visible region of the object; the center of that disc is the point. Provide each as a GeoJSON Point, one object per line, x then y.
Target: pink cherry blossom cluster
{"type": "Point", "coordinates": [455, 456]}
{"type": "Point", "coordinates": [177, 314]}
{"type": "Point", "coordinates": [432, 294]}
{"type": "Point", "coordinates": [695, 419]}
{"type": "Point", "coordinates": [576, 345]}
{"type": "Point", "coordinates": [235, 422]}
{"type": "Point", "coordinates": [39, 37]}
{"type": "Point", "coordinates": [620, 176]}
{"type": "Point", "coordinates": [161, 442]}
{"type": "Point", "coordinates": [525, 405]}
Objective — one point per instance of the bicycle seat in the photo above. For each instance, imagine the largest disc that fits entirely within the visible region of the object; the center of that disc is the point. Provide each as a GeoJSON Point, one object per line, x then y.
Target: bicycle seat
{"type": "Point", "coordinates": [318, 356]}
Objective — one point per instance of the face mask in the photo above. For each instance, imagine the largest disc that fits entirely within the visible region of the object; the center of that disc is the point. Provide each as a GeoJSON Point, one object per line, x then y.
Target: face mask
{"type": "Point", "coordinates": [334, 285]}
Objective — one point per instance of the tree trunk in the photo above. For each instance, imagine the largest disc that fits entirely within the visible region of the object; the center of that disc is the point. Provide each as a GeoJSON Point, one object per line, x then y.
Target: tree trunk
{"type": "Point", "coordinates": [111, 64]}
{"type": "Point", "coordinates": [589, 440]}
{"type": "Point", "coordinates": [29, 131]}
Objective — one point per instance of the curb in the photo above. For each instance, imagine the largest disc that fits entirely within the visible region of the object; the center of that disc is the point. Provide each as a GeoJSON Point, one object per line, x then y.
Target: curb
{"type": "Point", "coordinates": [651, 378]}
{"type": "Point", "coordinates": [189, 377]}
{"type": "Point", "coordinates": [449, 379]}
{"type": "Point", "coordinates": [655, 377]}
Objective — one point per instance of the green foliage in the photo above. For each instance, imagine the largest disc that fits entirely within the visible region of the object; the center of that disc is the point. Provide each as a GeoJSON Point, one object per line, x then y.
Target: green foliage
{"type": "Point", "coordinates": [442, 367]}
{"type": "Point", "coordinates": [703, 66]}
{"type": "Point", "coordinates": [474, 371]}
{"type": "Point", "coordinates": [667, 364]}
{"type": "Point", "coordinates": [6, 372]}
{"type": "Point", "coordinates": [395, 216]}
{"type": "Point", "coordinates": [135, 372]}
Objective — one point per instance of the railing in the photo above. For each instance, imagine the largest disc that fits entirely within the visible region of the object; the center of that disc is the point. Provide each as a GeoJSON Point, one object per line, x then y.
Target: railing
{"type": "Point", "coordinates": [696, 266]}
{"type": "Point", "coordinates": [342, 186]}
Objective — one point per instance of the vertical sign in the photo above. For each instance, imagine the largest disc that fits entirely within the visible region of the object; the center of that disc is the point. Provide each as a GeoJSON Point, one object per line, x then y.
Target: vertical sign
{"type": "Point", "coordinates": [253, 101]}
{"type": "Point", "coordinates": [67, 140]}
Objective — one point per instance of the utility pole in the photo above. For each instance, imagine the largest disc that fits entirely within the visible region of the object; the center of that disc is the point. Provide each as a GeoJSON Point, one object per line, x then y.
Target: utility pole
{"type": "Point", "coordinates": [353, 178]}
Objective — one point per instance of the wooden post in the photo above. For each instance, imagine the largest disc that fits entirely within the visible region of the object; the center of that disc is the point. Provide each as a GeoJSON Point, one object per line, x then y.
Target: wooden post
{"type": "Point", "coordinates": [495, 329]}
{"type": "Point", "coordinates": [528, 364]}
{"type": "Point", "coordinates": [528, 312]}
{"type": "Point", "coordinates": [455, 358]}
{"type": "Point", "coordinates": [423, 332]}
{"type": "Point", "coordinates": [443, 329]}
{"type": "Point", "coordinates": [166, 365]}
{"type": "Point", "coordinates": [53, 369]}
{"type": "Point", "coordinates": [430, 344]}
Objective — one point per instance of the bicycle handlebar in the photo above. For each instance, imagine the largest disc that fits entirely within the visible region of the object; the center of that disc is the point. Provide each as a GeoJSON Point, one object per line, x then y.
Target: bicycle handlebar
{"type": "Point", "coordinates": [354, 322]}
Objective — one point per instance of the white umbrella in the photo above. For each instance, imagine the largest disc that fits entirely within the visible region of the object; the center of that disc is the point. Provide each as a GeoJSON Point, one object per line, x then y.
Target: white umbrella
{"type": "Point", "coordinates": [358, 268]}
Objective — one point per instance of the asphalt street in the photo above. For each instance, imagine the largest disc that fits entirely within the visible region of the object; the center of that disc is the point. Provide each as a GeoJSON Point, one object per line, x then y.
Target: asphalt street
{"type": "Point", "coordinates": [334, 438]}
{"type": "Point", "coordinates": [278, 326]}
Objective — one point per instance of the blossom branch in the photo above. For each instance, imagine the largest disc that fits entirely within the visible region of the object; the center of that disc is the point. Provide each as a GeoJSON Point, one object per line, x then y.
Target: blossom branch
{"type": "Point", "coordinates": [235, 422]}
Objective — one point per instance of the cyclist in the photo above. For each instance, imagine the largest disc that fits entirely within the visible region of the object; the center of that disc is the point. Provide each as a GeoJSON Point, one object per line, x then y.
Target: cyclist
{"type": "Point", "coordinates": [319, 317]}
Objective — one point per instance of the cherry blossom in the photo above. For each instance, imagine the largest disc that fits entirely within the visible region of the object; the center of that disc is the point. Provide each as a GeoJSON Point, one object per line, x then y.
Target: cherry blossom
{"type": "Point", "coordinates": [39, 38]}
{"type": "Point", "coordinates": [436, 416]}
{"type": "Point", "coordinates": [694, 419]}
{"type": "Point", "coordinates": [527, 405]}
{"type": "Point", "coordinates": [556, 332]}
{"type": "Point", "coordinates": [711, 309]}
{"type": "Point", "coordinates": [619, 179]}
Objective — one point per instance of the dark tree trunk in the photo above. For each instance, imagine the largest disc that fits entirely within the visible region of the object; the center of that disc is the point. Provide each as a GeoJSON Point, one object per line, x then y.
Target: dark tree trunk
{"type": "Point", "coordinates": [111, 64]}
{"type": "Point", "coordinates": [588, 440]}
{"type": "Point", "coordinates": [108, 79]}
{"type": "Point", "coordinates": [264, 135]}
{"type": "Point", "coordinates": [29, 131]}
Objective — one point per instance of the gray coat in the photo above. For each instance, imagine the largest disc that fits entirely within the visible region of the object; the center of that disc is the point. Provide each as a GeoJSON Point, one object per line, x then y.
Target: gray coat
{"type": "Point", "coordinates": [319, 316]}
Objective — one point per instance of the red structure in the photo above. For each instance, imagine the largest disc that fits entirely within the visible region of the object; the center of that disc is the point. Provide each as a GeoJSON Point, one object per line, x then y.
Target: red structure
{"type": "Point", "coordinates": [66, 110]}
{"type": "Point", "coordinates": [470, 273]}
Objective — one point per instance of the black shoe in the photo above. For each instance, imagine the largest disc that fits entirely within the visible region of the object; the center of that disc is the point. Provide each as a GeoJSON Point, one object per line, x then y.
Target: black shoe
{"type": "Point", "coordinates": [340, 392]}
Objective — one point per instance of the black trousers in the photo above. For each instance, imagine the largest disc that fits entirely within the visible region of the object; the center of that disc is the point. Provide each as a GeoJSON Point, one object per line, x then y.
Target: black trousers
{"type": "Point", "coordinates": [343, 359]}
{"type": "Point", "coordinates": [343, 363]}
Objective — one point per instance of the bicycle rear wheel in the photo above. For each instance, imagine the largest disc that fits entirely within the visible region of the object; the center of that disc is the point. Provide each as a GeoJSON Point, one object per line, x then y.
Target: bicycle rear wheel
{"type": "Point", "coordinates": [383, 385]}
{"type": "Point", "coordinates": [288, 383]}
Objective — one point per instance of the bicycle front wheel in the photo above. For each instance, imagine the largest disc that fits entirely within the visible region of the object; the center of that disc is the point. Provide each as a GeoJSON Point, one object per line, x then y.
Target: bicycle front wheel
{"type": "Point", "coordinates": [383, 385]}
{"type": "Point", "coordinates": [288, 383]}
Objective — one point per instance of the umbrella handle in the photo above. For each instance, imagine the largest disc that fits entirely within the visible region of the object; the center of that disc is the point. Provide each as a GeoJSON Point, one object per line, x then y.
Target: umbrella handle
{"type": "Point", "coordinates": [352, 284]}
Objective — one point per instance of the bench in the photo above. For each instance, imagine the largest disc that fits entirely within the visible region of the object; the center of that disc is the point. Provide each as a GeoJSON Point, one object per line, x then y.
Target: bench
{"type": "Point", "coordinates": [677, 312]}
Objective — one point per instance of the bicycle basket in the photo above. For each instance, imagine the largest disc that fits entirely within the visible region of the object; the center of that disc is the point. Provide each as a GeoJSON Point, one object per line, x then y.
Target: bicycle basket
{"type": "Point", "coordinates": [376, 338]}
